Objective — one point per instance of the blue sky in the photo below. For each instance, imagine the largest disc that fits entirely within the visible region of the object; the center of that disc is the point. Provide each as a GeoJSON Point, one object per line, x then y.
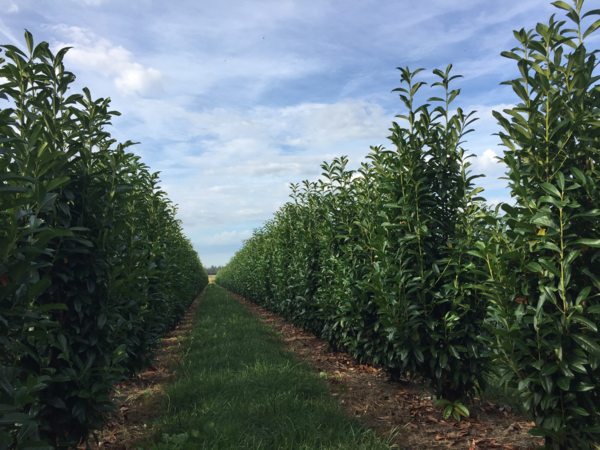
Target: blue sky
{"type": "Point", "coordinates": [233, 100]}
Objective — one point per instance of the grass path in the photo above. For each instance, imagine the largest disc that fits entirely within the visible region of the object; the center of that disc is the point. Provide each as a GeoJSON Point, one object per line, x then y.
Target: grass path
{"type": "Point", "coordinates": [238, 388]}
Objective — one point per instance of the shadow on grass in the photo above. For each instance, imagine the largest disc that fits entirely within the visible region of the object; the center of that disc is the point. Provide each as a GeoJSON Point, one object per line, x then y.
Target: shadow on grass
{"type": "Point", "coordinates": [238, 388]}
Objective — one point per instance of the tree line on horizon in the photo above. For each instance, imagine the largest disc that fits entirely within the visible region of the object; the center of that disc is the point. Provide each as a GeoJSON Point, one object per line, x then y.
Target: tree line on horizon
{"type": "Point", "coordinates": [212, 270]}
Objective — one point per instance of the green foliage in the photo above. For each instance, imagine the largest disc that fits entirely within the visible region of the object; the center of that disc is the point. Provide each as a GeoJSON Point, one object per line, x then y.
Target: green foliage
{"type": "Point", "coordinates": [94, 267]}
{"type": "Point", "coordinates": [377, 261]}
{"type": "Point", "coordinates": [424, 279]}
{"type": "Point", "coordinates": [402, 264]}
{"type": "Point", "coordinates": [454, 409]}
{"type": "Point", "coordinates": [544, 278]}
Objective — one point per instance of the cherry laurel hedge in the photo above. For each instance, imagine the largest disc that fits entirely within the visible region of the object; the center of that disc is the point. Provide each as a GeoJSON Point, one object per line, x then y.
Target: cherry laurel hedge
{"type": "Point", "coordinates": [402, 264]}
{"type": "Point", "coordinates": [94, 267]}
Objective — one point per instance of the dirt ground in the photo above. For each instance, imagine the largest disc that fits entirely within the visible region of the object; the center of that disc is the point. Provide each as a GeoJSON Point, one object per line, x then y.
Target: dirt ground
{"type": "Point", "coordinates": [403, 408]}
{"type": "Point", "coordinates": [138, 400]}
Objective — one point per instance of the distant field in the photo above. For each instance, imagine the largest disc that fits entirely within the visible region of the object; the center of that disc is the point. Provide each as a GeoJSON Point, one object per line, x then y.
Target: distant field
{"type": "Point", "coordinates": [211, 278]}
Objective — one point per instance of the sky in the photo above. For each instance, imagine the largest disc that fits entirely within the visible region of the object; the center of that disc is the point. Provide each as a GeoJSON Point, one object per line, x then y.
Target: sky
{"type": "Point", "coordinates": [233, 100]}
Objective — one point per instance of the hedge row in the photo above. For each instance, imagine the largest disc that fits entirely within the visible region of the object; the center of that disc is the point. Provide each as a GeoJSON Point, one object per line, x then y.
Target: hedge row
{"type": "Point", "coordinates": [403, 264]}
{"type": "Point", "coordinates": [94, 267]}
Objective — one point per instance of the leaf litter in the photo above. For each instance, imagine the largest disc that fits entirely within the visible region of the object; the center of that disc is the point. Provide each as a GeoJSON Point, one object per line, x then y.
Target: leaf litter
{"type": "Point", "coordinates": [138, 399]}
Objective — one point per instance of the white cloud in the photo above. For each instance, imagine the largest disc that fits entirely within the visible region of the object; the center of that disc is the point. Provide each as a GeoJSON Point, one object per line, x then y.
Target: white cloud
{"type": "Point", "coordinates": [90, 2]}
{"type": "Point", "coordinates": [265, 168]}
{"type": "Point", "coordinates": [249, 213]}
{"type": "Point", "coordinates": [484, 113]}
{"type": "Point", "coordinates": [137, 78]}
{"type": "Point", "coordinates": [226, 131]}
{"type": "Point", "coordinates": [496, 201]}
{"type": "Point", "coordinates": [90, 52]}
{"type": "Point", "coordinates": [487, 164]}
{"type": "Point", "coordinates": [221, 188]}
{"type": "Point", "coordinates": [226, 237]}
{"type": "Point", "coordinates": [488, 161]}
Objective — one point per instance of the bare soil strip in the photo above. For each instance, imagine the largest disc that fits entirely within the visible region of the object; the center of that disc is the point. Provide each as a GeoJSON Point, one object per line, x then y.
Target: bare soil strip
{"type": "Point", "coordinates": [138, 399]}
{"type": "Point", "coordinates": [366, 393]}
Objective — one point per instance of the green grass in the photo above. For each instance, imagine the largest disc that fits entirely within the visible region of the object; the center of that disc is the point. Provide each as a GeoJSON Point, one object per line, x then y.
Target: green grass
{"type": "Point", "coordinates": [238, 388]}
